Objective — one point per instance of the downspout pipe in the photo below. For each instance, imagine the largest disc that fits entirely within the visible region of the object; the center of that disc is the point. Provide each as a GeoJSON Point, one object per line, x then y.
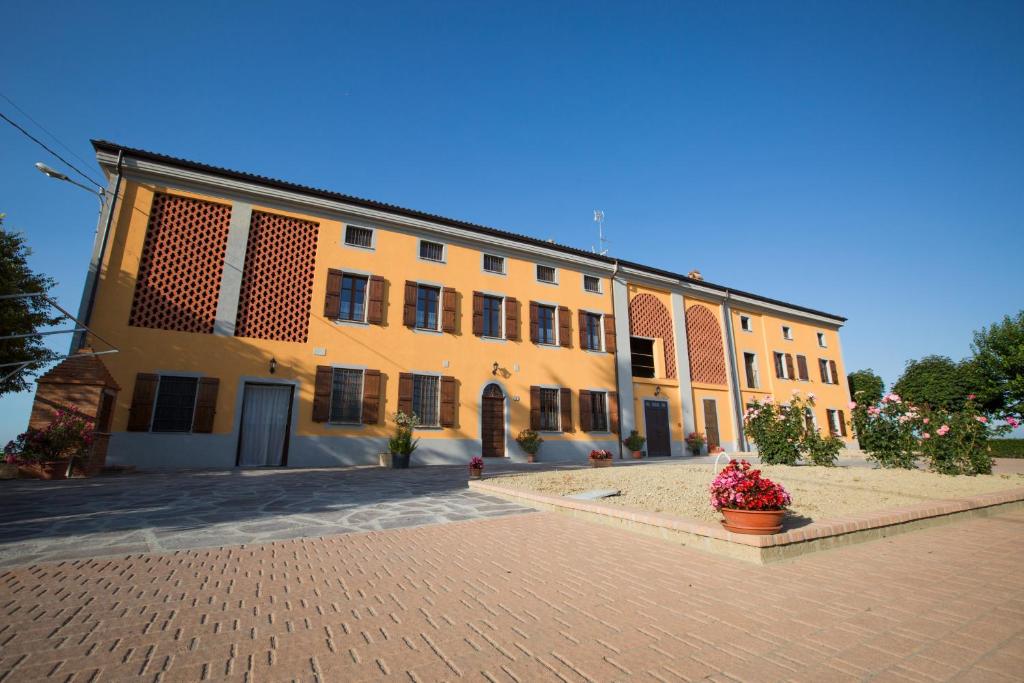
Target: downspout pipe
{"type": "Point", "coordinates": [618, 404]}
{"type": "Point", "coordinates": [92, 278]}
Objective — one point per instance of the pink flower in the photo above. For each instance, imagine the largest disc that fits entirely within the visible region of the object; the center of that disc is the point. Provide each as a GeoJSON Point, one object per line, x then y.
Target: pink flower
{"type": "Point", "coordinates": [926, 435]}
{"type": "Point", "coordinates": [981, 418]}
{"type": "Point", "coordinates": [926, 420]}
{"type": "Point", "coordinates": [1013, 422]}
{"type": "Point", "coordinates": [971, 397]}
{"type": "Point", "coordinates": [851, 405]}
{"type": "Point", "coordinates": [768, 399]}
{"type": "Point", "coordinates": [943, 430]}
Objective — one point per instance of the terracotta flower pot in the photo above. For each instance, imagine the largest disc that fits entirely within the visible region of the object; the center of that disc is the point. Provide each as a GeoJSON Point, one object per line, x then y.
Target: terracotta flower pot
{"type": "Point", "coordinates": [753, 521]}
{"type": "Point", "coordinates": [530, 457]}
{"type": "Point", "coordinates": [8, 470]}
{"type": "Point", "coordinates": [596, 462]}
{"type": "Point", "coordinates": [476, 472]}
{"type": "Point", "coordinates": [53, 469]}
{"type": "Point", "coordinates": [637, 455]}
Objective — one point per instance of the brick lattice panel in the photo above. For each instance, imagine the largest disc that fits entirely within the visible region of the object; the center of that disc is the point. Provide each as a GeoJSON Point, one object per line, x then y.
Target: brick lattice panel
{"type": "Point", "coordinates": [704, 337]}
{"type": "Point", "coordinates": [648, 317]}
{"type": "Point", "coordinates": [277, 280]}
{"type": "Point", "coordinates": [181, 265]}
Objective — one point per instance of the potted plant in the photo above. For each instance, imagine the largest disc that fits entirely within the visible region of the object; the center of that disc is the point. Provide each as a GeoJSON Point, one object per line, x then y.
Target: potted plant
{"type": "Point", "coordinates": [750, 503]}
{"type": "Point", "coordinates": [9, 467]}
{"type": "Point", "coordinates": [476, 467]}
{"type": "Point", "coordinates": [530, 442]}
{"type": "Point", "coordinates": [635, 443]}
{"type": "Point", "coordinates": [402, 445]}
{"type": "Point", "coordinates": [600, 458]}
{"type": "Point", "coordinates": [50, 453]}
{"type": "Point", "coordinates": [695, 441]}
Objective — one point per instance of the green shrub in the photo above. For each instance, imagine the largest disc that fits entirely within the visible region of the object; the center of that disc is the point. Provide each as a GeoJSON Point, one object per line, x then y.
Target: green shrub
{"type": "Point", "coordinates": [886, 431]}
{"type": "Point", "coordinates": [402, 442]}
{"type": "Point", "coordinates": [1006, 448]}
{"type": "Point", "coordinates": [820, 450]}
{"type": "Point", "coordinates": [776, 429]}
{"type": "Point", "coordinates": [529, 441]}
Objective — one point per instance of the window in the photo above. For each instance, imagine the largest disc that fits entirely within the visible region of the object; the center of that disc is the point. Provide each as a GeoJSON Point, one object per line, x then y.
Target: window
{"type": "Point", "coordinates": [549, 410]}
{"type": "Point", "coordinates": [358, 237]}
{"type": "Point", "coordinates": [427, 301]}
{"type": "Point", "coordinates": [781, 366]}
{"type": "Point", "coordinates": [598, 411]}
{"type": "Point", "coordinates": [494, 264]}
{"type": "Point", "coordinates": [426, 399]}
{"type": "Point", "coordinates": [821, 340]}
{"type": "Point", "coordinates": [431, 251]}
{"type": "Point", "coordinates": [642, 356]}
{"type": "Point", "coordinates": [346, 396]}
{"type": "Point", "coordinates": [353, 298]}
{"type": "Point", "coordinates": [750, 365]}
{"type": "Point", "coordinates": [175, 404]}
{"type": "Point", "coordinates": [546, 325]}
{"type": "Point", "coordinates": [809, 421]}
{"type": "Point", "coordinates": [787, 332]}
{"type": "Point", "coordinates": [545, 274]}
{"type": "Point", "coordinates": [745, 323]}
{"type": "Point", "coordinates": [835, 422]}
{"type": "Point", "coordinates": [592, 284]}
{"type": "Point", "coordinates": [492, 316]}
{"type": "Point", "coordinates": [592, 331]}
{"type": "Point", "coordinates": [826, 371]}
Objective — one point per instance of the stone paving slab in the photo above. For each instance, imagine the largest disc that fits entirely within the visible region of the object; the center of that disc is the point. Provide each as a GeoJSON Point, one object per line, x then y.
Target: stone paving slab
{"type": "Point", "coordinates": [537, 597]}
{"type": "Point", "coordinates": [158, 512]}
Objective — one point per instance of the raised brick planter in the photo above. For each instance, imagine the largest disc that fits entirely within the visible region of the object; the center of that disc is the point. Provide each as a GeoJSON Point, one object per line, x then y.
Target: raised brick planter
{"type": "Point", "coordinates": [816, 536]}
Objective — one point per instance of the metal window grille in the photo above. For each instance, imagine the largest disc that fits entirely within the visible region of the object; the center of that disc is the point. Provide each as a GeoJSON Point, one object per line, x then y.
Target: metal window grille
{"type": "Point", "coordinates": [353, 298]}
{"type": "Point", "coordinates": [591, 284]}
{"type": "Point", "coordinates": [431, 251]}
{"type": "Point", "coordinates": [175, 404]}
{"type": "Point", "coordinates": [549, 410]}
{"type": "Point", "coordinates": [598, 411]}
{"type": "Point", "coordinates": [545, 274]}
{"type": "Point", "coordinates": [358, 237]}
{"type": "Point", "coordinates": [347, 396]}
{"type": "Point", "coordinates": [426, 399]}
{"type": "Point", "coordinates": [494, 264]}
{"type": "Point", "coordinates": [427, 299]}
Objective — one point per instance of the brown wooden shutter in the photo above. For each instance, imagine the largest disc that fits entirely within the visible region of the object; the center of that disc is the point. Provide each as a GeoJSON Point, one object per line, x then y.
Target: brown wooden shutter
{"type": "Point", "coordinates": [375, 301]}
{"type": "Point", "coordinates": [842, 423]}
{"type": "Point", "coordinates": [332, 297]}
{"type": "Point", "coordinates": [322, 393]}
{"type": "Point", "coordinates": [478, 314]}
{"type": "Point", "coordinates": [449, 401]}
{"type": "Point", "coordinates": [790, 372]}
{"type": "Point", "coordinates": [801, 365]}
{"type": "Point", "coordinates": [142, 402]}
{"type": "Point", "coordinates": [534, 323]}
{"type": "Point", "coordinates": [535, 408]}
{"type": "Point", "coordinates": [835, 374]}
{"type": "Point", "coordinates": [565, 403]}
{"type": "Point", "coordinates": [613, 412]}
{"type": "Point", "coordinates": [206, 405]}
{"type": "Point", "coordinates": [586, 423]}
{"type": "Point", "coordinates": [821, 369]}
{"type": "Point", "coordinates": [565, 326]}
{"type": "Point", "coordinates": [609, 333]}
{"type": "Point", "coordinates": [581, 322]}
{"type": "Point", "coordinates": [409, 310]}
{"type": "Point", "coordinates": [405, 393]}
{"type": "Point", "coordinates": [449, 309]}
{"type": "Point", "coordinates": [511, 319]}
{"type": "Point", "coordinates": [371, 396]}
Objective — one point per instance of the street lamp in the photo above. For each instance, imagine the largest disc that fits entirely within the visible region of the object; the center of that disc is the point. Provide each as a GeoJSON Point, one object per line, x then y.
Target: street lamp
{"type": "Point", "coordinates": [57, 175]}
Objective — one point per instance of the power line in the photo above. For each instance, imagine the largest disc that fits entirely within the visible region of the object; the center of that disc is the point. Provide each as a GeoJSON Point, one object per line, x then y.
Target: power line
{"type": "Point", "coordinates": [44, 129]}
{"type": "Point", "coordinates": [44, 146]}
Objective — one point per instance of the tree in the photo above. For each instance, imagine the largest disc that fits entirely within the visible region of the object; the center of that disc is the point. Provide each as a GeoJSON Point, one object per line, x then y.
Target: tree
{"type": "Point", "coordinates": [865, 386]}
{"type": "Point", "coordinates": [21, 316]}
{"type": "Point", "coordinates": [997, 367]}
{"type": "Point", "coordinates": [936, 381]}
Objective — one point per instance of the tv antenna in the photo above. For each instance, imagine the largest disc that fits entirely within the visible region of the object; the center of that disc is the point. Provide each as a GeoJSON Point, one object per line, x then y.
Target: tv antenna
{"type": "Point", "coordinates": [602, 242]}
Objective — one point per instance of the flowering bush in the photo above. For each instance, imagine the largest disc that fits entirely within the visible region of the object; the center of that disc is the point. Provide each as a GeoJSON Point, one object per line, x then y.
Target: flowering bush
{"type": "Point", "coordinates": [886, 431]}
{"type": "Point", "coordinates": [529, 441]}
{"type": "Point", "coordinates": [600, 455]}
{"type": "Point", "coordinates": [477, 463]}
{"type": "Point", "coordinates": [69, 435]}
{"type": "Point", "coordinates": [737, 487]}
{"type": "Point", "coordinates": [694, 441]}
{"type": "Point", "coordinates": [783, 434]}
{"type": "Point", "coordinates": [402, 442]}
{"type": "Point", "coordinates": [634, 441]}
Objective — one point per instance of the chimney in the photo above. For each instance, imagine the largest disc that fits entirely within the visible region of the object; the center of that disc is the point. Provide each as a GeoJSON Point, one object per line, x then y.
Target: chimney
{"type": "Point", "coordinates": [695, 275]}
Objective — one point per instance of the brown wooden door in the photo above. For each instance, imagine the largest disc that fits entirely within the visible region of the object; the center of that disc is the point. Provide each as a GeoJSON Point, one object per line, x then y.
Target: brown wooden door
{"type": "Point", "coordinates": [656, 421]}
{"type": "Point", "coordinates": [711, 423]}
{"type": "Point", "coordinates": [492, 422]}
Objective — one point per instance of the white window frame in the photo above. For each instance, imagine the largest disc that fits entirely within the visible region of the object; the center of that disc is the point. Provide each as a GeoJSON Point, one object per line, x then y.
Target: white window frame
{"type": "Point", "coordinates": [558, 408]}
{"type": "Point", "coordinates": [782, 365]}
{"type": "Point", "coordinates": [362, 386]}
{"type": "Point", "coordinates": [483, 263]}
{"type": "Point", "coordinates": [366, 298]}
{"type": "Point", "coordinates": [536, 274]}
{"type": "Point", "coordinates": [814, 417]}
{"type": "Point", "coordinates": [822, 341]}
{"type": "Point", "coordinates": [557, 332]}
{"type": "Point", "coordinates": [600, 332]}
{"type": "Point", "coordinates": [440, 307]}
{"type": "Point", "coordinates": [419, 251]}
{"type": "Point", "coordinates": [344, 237]}
{"type": "Point", "coordinates": [787, 332]}
{"type": "Point", "coordinates": [757, 373]}
{"type": "Point", "coordinates": [583, 283]}
{"type": "Point", "coordinates": [746, 323]}
{"type": "Point", "coordinates": [834, 422]}
{"type": "Point", "coordinates": [828, 370]}
{"type": "Point", "coordinates": [501, 317]}
{"type": "Point", "coordinates": [422, 373]}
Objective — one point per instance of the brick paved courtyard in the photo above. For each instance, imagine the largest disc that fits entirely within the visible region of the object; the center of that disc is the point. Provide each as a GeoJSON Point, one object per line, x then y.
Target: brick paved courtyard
{"type": "Point", "coordinates": [526, 597]}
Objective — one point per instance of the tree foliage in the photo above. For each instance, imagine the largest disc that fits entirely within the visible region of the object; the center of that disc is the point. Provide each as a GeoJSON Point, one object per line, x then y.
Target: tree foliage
{"type": "Point", "coordinates": [936, 381]}
{"type": "Point", "coordinates": [997, 368]}
{"type": "Point", "coordinates": [21, 316]}
{"type": "Point", "coordinates": [865, 386]}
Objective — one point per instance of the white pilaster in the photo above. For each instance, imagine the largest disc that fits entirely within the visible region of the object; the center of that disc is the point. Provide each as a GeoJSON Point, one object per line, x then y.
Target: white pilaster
{"type": "Point", "coordinates": [234, 262]}
{"type": "Point", "coordinates": [683, 364]}
{"type": "Point", "coordinates": [623, 359]}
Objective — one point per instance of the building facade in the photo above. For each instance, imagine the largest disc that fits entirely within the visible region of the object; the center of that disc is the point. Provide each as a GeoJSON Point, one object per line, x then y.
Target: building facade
{"type": "Point", "coordinates": [262, 323]}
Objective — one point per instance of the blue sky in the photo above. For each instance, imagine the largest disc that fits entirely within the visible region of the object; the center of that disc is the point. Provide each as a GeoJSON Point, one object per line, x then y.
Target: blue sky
{"type": "Point", "coordinates": [862, 158]}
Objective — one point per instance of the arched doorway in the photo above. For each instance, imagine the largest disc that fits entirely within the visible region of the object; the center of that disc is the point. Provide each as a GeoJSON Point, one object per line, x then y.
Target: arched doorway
{"type": "Point", "coordinates": [492, 422]}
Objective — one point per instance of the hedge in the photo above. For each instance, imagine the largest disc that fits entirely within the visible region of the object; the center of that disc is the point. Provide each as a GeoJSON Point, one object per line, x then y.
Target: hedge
{"type": "Point", "coordinates": [1007, 448]}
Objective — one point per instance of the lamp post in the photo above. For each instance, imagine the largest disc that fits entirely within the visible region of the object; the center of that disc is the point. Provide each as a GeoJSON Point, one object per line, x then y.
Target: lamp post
{"type": "Point", "coordinates": [57, 175]}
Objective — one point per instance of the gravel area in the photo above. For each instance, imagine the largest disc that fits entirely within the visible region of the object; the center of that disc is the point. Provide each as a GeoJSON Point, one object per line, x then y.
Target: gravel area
{"type": "Point", "coordinates": [819, 493]}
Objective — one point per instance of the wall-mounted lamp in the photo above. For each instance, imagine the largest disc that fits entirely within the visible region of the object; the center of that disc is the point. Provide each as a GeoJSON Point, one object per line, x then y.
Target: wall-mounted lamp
{"type": "Point", "coordinates": [657, 391]}
{"type": "Point", "coordinates": [273, 365]}
{"type": "Point", "coordinates": [494, 369]}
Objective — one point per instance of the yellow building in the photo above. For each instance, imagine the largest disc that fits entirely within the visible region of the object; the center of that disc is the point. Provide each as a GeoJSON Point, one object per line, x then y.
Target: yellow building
{"type": "Point", "coordinates": [260, 322]}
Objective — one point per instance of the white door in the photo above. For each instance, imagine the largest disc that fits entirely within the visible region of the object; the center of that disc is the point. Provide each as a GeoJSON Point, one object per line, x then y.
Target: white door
{"type": "Point", "coordinates": [266, 409]}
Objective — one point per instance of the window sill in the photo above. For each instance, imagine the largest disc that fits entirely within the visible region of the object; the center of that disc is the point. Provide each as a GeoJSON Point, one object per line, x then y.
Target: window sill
{"type": "Point", "coordinates": [548, 345]}
{"type": "Point", "coordinates": [499, 340]}
{"type": "Point", "coordinates": [358, 246]}
{"type": "Point", "coordinates": [356, 323]}
{"type": "Point", "coordinates": [430, 260]}
{"type": "Point", "coordinates": [429, 428]}
{"type": "Point", "coordinates": [597, 352]}
{"type": "Point", "coordinates": [345, 425]}
{"type": "Point", "coordinates": [424, 330]}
